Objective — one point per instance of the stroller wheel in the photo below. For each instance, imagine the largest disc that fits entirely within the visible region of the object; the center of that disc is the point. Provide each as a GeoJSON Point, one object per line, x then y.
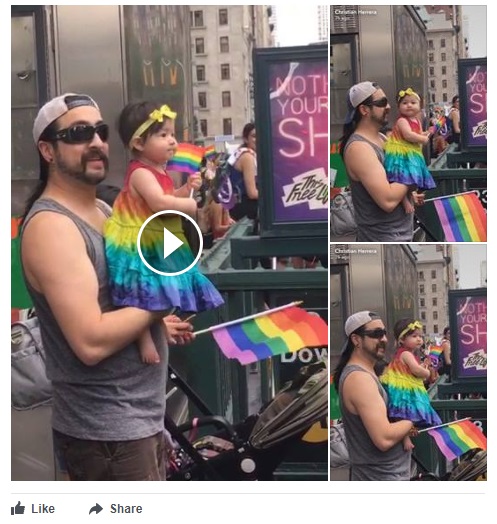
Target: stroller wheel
{"type": "Point", "coordinates": [247, 465]}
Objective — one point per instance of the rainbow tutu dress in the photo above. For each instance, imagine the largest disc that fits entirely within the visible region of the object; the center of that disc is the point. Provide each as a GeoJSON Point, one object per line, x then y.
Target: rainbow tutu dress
{"type": "Point", "coordinates": [131, 282]}
{"type": "Point", "coordinates": [407, 395]}
{"type": "Point", "coordinates": [404, 161]}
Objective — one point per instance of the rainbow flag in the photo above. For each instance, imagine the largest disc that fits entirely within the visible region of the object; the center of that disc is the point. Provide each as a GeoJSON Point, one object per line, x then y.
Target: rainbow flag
{"type": "Point", "coordinates": [458, 437]}
{"type": "Point", "coordinates": [210, 152]}
{"type": "Point", "coordinates": [285, 330]}
{"type": "Point", "coordinates": [434, 354]}
{"type": "Point", "coordinates": [438, 125]}
{"type": "Point", "coordinates": [462, 217]}
{"type": "Point", "coordinates": [187, 159]}
{"type": "Point", "coordinates": [436, 351]}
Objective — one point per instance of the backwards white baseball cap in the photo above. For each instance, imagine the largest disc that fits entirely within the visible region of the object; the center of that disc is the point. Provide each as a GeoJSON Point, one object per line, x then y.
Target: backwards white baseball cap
{"type": "Point", "coordinates": [356, 96]}
{"type": "Point", "coordinates": [57, 107]}
{"type": "Point", "coordinates": [358, 320]}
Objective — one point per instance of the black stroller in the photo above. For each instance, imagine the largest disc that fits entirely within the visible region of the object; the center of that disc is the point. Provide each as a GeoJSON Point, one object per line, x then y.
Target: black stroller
{"type": "Point", "coordinates": [472, 466]}
{"type": "Point", "coordinates": [254, 448]}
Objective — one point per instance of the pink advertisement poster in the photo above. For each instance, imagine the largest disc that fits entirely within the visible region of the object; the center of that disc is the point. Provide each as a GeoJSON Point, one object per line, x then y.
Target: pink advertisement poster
{"type": "Point", "coordinates": [472, 336]}
{"type": "Point", "coordinates": [299, 129]}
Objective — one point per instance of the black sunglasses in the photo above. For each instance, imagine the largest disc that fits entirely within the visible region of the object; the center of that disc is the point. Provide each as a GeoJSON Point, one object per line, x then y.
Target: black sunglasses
{"type": "Point", "coordinates": [381, 102]}
{"type": "Point", "coordinates": [374, 333]}
{"type": "Point", "coordinates": [81, 133]}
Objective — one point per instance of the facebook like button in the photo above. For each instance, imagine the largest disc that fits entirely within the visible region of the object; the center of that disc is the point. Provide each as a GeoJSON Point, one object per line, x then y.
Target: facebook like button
{"type": "Point", "coordinates": [162, 243]}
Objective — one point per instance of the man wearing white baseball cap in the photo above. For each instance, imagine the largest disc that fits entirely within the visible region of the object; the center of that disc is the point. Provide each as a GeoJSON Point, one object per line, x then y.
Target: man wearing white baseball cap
{"type": "Point", "coordinates": [108, 407]}
{"type": "Point", "coordinates": [378, 208]}
{"type": "Point", "coordinates": [374, 443]}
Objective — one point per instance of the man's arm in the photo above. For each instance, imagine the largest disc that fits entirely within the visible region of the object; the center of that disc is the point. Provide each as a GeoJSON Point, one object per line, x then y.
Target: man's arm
{"type": "Point", "coordinates": [57, 264]}
{"type": "Point", "coordinates": [363, 164]}
{"type": "Point", "coordinates": [364, 399]}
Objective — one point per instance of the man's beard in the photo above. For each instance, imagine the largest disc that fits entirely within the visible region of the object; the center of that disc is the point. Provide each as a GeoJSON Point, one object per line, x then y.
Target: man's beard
{"type": "Point", "coordinates": [376, 351]}
{"type": "Point", "coordinates": [380, 121]}
{"type": "Point", "coordinates": [80, 172]}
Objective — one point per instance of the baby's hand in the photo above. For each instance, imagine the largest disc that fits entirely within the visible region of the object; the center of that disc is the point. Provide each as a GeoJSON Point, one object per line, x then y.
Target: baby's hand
{"type": "Point", "coordinates": [194, 181]}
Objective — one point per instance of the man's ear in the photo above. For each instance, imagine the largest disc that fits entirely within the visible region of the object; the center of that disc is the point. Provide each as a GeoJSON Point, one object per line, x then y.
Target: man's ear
{"type": "Point", "coordinates": [46, 150]}
{"type": "Point", "coordinates": [354, 338]}
{"type": "Point", "coordinates": [363, 110]}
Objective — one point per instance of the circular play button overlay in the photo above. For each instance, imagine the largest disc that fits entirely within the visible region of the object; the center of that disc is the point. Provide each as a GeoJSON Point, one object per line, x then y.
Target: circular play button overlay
{"type": "Point", "coordinates": [162, 244]}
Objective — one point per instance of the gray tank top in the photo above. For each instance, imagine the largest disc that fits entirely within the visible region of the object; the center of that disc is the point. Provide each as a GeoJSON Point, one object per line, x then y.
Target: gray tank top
{"type": "Point", "coordinates": [374, 224]}
{"type": "Point", "coordinates": [118, 399]}
{"type": "Point", "coordinates": [367, 461]}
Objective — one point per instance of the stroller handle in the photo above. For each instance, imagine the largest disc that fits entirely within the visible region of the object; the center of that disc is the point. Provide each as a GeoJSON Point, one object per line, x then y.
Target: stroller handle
{"type": "Point", "coordinates": [214, 420]}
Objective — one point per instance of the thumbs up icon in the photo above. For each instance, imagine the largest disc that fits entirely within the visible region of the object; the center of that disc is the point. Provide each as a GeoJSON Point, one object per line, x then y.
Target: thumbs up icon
{"type": "Point", "coordinates": [17, 510]}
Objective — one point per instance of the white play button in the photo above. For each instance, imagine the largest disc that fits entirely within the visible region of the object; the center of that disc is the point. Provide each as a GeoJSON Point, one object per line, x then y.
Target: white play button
{"type": "Point", "coordinates": [162, 245]}
{"type": "Point", "coordinates": [171, 243]}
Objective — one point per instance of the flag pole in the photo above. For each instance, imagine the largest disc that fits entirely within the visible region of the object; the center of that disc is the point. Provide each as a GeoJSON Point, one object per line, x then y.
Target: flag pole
{"type": "Point", "coordinates": [448, 196]}
{"type": "Point", "coordinates": [442, 425]}
{"type": "Point", "coordinates": [249, 317]}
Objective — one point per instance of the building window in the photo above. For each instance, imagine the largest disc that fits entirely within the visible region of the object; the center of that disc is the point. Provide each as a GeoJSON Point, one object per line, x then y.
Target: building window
{"type": "Point", "coordinates": [444, 97]}
{"type": "Point", "coordinates": [202, 99]}
{"type": "Point", "coordinates": [227, 128]}
{"type": "Point", "coordinates": [224, 44]}
{"type": "Point", "coordinates": [226, 97]}
{"type": "Point", "coordinates": [199, 46]}
{"type": "Point", "coordinates": [435, 328]}
{"type": "Point", "coordinates": [433, 288]}
{"type": "Point", "coordinates": [197, 19]}
{"type": "Point", "coordinates": [444, 57]}
{"type": "Point", "coordinates": [200, 73]}
{"type": "Point", "coordinates": [203, 127]}
{"type": "Point", "coordinates": [433, 97]}
{"type": "Point", "coordinates": [422, 289]}
{"type": "Point", "coordinates": [422, 302]}
{"type": "Point", "coordinates": [442, 42]}
{"type": "Point", "coordinates": [423, 315]}
{"type": "Point", "coordinates": [434, 301]}
{"type": "Point", "coordinates": [444, 84]}
{"type": "Point", "coordinates": [435, 315]}
{"type": "Point", "coordinates": [432, 84]}
{"type": "Point", "coordinates": [421, 275]}
{"type": "Point", "coordinates": [444, 70]}
{"type": "Point", "coordinates": [225, 71]}
{"type": "Point", "coordinates": [430, 44]}
{"type": "Point", "coordinates": [432, 71]}
{"type": "Point", "coordinates": [431, 57]}
{"type": "Point", "coordinates": [223, 17]}
{"type": "Point", "coordinates": [424, 330]}
{"type": "Point", "coordinates": [433, 273]}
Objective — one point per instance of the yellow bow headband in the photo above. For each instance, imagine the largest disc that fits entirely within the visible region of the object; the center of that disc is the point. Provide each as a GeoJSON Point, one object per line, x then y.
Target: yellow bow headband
{"type": "Point", "coordinates": [157, 115]}
{"type": "Point", "coordinates": [411, 327]}
{"type": "Point", "coordinates": [408, 91]}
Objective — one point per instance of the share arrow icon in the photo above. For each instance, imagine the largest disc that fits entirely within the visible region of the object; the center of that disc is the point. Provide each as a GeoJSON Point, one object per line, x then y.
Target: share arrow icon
{"type": "Point", "coordinates": [97, 509]}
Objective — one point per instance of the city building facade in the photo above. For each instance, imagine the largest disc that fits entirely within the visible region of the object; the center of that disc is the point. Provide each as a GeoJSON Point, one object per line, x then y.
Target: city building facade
{"type": "Point", "coordinates": [223, 39]}
{"type": "Point", "coordinates": [323, 22]}
{"type": "Point", "coordinates": [446, 44]}
{"type": "Point", "coordinates": [436, 275]}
